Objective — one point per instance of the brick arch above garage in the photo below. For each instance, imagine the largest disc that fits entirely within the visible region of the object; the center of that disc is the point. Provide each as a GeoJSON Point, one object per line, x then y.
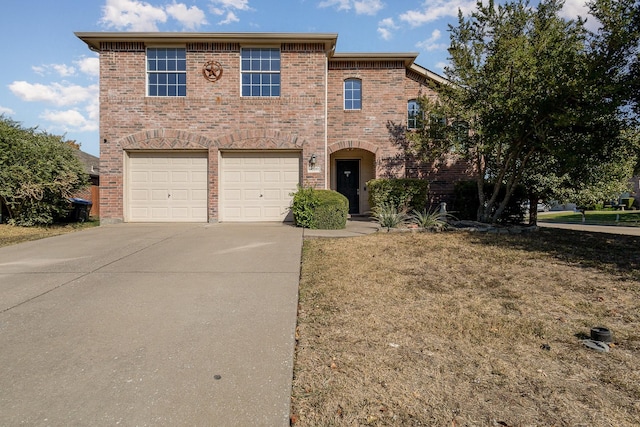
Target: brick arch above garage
{"type": "Point", "coordinates": [352, 143]}
{"type": "Point", "coordinates": [260, 139]}
{"type": "Point", "coordinates": [162, 138]}
{"type": "Point", "coordinates": [255, 139]}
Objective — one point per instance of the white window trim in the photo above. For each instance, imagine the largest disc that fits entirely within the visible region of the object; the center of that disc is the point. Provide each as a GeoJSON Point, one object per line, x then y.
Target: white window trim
{"type": "Point", "coordinates": [147, 72]}
{"type": "Point", "coordinates": [260, 72]}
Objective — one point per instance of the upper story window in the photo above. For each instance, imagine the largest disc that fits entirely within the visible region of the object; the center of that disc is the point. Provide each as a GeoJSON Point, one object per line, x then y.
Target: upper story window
{"type": "Point", "coordinates": [353, 94]}
{"type": "Point", "coordinates": [437, 126]}
{"type": "Point", "coordinates": [413, 112]}
{"type": "Point", "coordinates": [260, 71]}
{"type": "Point", "coordinates": [166, 71]}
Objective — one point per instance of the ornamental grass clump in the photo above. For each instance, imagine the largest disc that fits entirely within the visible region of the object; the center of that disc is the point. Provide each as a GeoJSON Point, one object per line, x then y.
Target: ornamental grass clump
{"type": "Point", "coordinates": [434, 220]}
{"type": "Point", "coordinates": [389, 216]}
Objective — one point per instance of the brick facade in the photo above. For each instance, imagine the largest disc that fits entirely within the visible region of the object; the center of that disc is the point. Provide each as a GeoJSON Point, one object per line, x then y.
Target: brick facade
{"type": "Point", "coordinates": [308, 116]}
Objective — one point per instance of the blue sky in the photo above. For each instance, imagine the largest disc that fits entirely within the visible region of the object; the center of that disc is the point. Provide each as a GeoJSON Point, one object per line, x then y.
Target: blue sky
{"type": "Point", "coordinates": [49, 78]}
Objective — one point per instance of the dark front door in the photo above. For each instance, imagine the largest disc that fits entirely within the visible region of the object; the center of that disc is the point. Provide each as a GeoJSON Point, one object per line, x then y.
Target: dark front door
{"type": "Point", "coordinates": [348, 182]}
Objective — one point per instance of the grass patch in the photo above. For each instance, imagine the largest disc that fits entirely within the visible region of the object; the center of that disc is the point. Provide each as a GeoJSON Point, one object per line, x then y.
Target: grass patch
{"type": "Point", "coordinates": [462, 329]}
{"type": "Point", "coordinates": [10, 235]}
{"type": "Point", "coordinates": [624, 218]}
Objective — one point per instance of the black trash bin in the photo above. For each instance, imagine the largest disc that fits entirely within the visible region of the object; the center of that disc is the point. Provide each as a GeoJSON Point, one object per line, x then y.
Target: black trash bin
{"type": "Point", "coordinates": [80, 209]}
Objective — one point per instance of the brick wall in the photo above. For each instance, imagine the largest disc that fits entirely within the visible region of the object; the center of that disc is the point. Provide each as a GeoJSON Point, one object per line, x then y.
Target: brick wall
{"type": "Point", "coordinates": [214, 117]}
{"type": "Point", "coordinates": [211, 117]}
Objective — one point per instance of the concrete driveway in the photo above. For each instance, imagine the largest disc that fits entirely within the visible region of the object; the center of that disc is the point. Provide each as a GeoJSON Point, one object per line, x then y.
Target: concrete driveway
{"type": "Point", "coordinates": [150, 325]}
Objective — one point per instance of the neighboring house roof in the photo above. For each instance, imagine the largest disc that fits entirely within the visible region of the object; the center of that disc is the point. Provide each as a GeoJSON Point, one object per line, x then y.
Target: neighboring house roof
{"type": "Point", "coordinates": [90, 162]}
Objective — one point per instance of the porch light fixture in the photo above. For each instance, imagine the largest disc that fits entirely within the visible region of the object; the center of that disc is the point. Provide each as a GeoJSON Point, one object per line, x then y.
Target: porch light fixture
{"type": "Point", "coordinates": [313, 160]}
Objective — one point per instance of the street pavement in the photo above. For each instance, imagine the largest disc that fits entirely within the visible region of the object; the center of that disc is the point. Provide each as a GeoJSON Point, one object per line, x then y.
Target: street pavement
{"type": "Point", "coordinates": [611, 229]}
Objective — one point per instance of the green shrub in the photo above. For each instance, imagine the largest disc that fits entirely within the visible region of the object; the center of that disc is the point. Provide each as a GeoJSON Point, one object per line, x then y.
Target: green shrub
{"type": "Point", "coordinates": [332, 210]}
{"type": "Point", "coordinates": [402, 193]}
{"type": "Point", "coordinates": [319, 209]}
{"type": "Point", "coordinates": [466, 202]}
{"type": "Point", "coordinates": [389, 216]}
{"type": "Point", "coordinates": [303, 206]}
{"type": "Point", "coordinates": [38, 174]}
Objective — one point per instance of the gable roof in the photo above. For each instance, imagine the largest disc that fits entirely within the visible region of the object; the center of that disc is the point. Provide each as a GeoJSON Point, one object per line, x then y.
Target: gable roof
{"type": "Point", "coordinates": [90, 162]}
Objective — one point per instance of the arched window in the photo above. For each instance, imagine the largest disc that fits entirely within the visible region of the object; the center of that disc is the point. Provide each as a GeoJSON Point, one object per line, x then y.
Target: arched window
{"type": "Point", "coordinates": [352, 94]}
{"type": "Point", "coordinates": [413, 111]}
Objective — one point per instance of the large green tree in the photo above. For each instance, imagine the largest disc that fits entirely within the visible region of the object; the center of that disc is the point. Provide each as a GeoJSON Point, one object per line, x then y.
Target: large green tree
{"type": "Point", "coordinates": [38, 173]}
{"type": "Point", "coordinates": [543, 99]}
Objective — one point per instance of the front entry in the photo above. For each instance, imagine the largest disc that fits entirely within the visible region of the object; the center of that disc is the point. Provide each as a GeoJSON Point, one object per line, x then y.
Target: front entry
{"type": "Point", "coordinates": [348, 183]}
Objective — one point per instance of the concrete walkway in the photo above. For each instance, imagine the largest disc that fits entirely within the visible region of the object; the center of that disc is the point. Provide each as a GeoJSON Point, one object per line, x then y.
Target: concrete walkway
{"type": "Point", "coordinates": [161, 324]}
{"type": "Point", "coordinates": [358, 226]}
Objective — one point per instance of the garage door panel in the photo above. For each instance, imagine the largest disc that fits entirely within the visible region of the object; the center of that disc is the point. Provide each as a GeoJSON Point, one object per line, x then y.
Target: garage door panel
{"type": "Point", "coordinates": [199, 195]}
{"type": "Point", "coordinates": [180, 195]}
{"type": "Point", "coordinates": [167, 187]}
{"type": "Point", "coordinates": [272, 194]}
{"type": "Point", "coordinates": [159, 195]}
{"type": "Point", "coordinates": [253, 176]}
{"type": "Point", "coordinates": [159, 177]}
{"type": "Point", "coordinates": [257, 186]}
{"type": "Point", "coordinates": [272, 176]}
{"type": "Point", "coordinates": [140, 176]}
{"type": "Point", "coordinates": [180, 177]}
{"type": "Point", "coordinates": [140, 195]}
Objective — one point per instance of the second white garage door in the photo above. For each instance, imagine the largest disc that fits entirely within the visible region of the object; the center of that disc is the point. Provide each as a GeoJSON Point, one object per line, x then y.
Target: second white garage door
{"type": "Point", "coordinates": [257, 186]}
{"type": "Point", "coordinates": [167, 187]}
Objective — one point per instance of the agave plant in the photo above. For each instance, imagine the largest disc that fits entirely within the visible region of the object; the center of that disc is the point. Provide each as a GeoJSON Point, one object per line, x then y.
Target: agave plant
{"type": "Point", "coordinates": [435, 220]}
{"type": "Point", "coordinates": [388, 216]}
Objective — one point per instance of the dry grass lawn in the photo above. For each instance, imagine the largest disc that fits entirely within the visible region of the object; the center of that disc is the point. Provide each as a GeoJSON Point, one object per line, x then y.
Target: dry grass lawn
{"type": "Point", "coordinates": [460, 329]}
{"type": "Point", "coordinates": [10, 235]}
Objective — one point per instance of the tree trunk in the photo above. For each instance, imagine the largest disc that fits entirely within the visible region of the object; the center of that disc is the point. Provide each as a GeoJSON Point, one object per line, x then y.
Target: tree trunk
{"type": "Point", "coordinates": [533, 209]}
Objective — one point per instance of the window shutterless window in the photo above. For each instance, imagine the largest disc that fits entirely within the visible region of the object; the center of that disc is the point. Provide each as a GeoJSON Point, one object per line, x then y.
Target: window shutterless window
{"type": "Point", "coordinates": [166, 72]}
{"type": "Point", "coordinates": [352, 94]}
{"type": "Point", "coordinates": [413, 111]}
{"type": "Point", "coordinates": [260, 71]}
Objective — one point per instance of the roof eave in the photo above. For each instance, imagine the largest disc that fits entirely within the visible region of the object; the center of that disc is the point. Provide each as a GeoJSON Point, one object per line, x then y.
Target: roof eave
{"type": "Point", "coordinates": [406, 57]}
{"type": "Point", "coordinates": [93, 39]}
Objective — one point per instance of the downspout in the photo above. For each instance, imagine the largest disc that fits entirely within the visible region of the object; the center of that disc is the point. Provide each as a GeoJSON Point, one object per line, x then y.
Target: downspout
{"type": "Point", "coordinates": [326, 118]}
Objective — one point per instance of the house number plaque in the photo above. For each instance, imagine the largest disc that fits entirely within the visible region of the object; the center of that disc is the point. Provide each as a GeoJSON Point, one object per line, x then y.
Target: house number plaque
{"type": "Point", "coordinates": [212, 71]}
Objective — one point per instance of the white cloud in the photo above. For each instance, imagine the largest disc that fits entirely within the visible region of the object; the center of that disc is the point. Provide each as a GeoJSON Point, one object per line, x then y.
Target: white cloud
{"type": "Point", "coordinates": [368, 7]}
{"type": "Point", "coordinates": [63, 70]}
{"type": "Point", "coordinates": [386, 27]}
{"type": "Point", "coordinates": [69, 120]}
{"type": "Point", "coordinates": [189, 17]}
{"type": "Point", "coordinates": [231, 17]}
{"type": "Point", "coordinates": [231, 4]}
{"type": "Point", "coordinates": [341, 4]}
{"type": "Point", "coordinates": [6, 110]}
{"type": "Point", "coordinates": [89, 65]}
{"type": "Point", "coordinates": [433, 10]}
{"type": "Point", "coordinates": [132, 15]}
{"type": "Point", "coordinates": [56, 93]}
{"type": "Point", "coordinates": [574, 8]}
{"type": "Point", "coordinates": [228, 8]}
{"type": "Point", "coordinates": [430, 43]}
{"type": "Point", "coordinates": [361, 7]}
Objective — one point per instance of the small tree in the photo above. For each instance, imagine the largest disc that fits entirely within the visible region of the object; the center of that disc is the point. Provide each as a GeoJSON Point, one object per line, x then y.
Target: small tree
{"type": "Point", "coordinates": [534, 99]}
{"type": "Point", "coordinates": [39, 172]}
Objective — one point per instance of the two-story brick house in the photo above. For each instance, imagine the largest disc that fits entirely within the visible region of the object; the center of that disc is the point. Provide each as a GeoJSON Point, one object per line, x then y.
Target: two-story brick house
{"type": "Point", "coordinates": [224, 126]}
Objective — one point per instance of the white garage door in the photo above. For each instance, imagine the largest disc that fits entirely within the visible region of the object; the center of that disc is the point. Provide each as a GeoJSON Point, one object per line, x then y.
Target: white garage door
{"type": "Point", "coordinates": [257, 186]}
{"type": "Point", "coordinates": [167, 187]}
